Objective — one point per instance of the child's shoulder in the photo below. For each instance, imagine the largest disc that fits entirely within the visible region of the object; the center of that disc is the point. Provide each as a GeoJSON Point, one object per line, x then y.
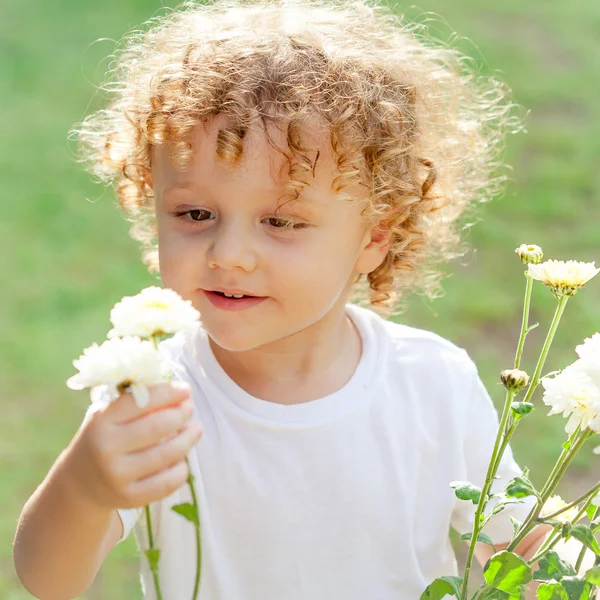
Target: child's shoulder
{"type": "Point", "coordinates": [414, 344]}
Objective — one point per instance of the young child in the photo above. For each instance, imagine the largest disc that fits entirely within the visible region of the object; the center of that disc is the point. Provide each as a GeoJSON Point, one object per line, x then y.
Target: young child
{"type": "Point", "coordinates": [288, 156]}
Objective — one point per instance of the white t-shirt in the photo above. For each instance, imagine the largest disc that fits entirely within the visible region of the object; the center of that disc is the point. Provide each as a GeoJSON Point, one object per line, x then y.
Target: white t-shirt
{"type": "Point", "coordinates": [346, 496]}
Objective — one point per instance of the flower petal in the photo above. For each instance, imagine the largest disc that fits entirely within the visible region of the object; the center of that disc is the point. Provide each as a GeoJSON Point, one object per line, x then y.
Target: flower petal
{"type": "Point", "coordinates": [140, 394]}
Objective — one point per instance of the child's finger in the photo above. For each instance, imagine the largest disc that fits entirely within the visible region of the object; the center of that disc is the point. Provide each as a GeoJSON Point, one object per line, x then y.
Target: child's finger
{"type": "Point", "coordinates": [143, 465]}
{"type": "Point", "coordinates": [147, 431]}
{"type": "Point", "coordinates": [158, 486]}
{"type": "Point", "coordinates": [162, 395]}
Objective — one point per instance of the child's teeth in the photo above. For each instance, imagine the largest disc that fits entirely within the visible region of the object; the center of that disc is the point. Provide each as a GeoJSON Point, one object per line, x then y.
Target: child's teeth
{"type": "Point", "coordinates": [233, 295]}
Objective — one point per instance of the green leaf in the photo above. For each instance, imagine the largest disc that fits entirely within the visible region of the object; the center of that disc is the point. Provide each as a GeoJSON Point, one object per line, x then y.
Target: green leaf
{"type": "Point", "coordinates": [552, 591]}
{"type": "Point", "coordinates": [516, 525]}
{"type": "Point", "coordinates": [522, 408]}
{"type": "Point", "coordinates": [443, 586]}
{"type": "Point", "coordinates": [188, 511]}
{"type": "Point", "coordinates": [500, 506]}
{"type": "Point", "coordinates": [584, 534]}
{"type": "Point", "coordinates": [507, 572]}
{"type": "Point", "coordinates": [577, 588]}
{"type": "Point", "coordinates": [552, 567]}
{"type": "Point", "coordinates": [481, 537]}
{"type": "Point", "coordinates": [590, 511]}
{"type": "Point", "coordinates": [153, 556]}
{"type": "Point", "coordinates": [565, 530]}
{"type": "Point", "coordinates": [566, 445]}
{"type": "Point", "coordinates": [494, 594]}
{"type": "Point", "coordinates": [593, 575]}
{"type": "Point", "coordinates": [519, 487]}
{"type": "Point", "coordinates": [466, 491]}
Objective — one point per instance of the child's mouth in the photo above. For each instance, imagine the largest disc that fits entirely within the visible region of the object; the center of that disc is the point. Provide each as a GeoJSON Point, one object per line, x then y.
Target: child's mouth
{"type": "Point", "coordinates": [234, 296]}
{"type": "Point", "coordinates": [233, 302]}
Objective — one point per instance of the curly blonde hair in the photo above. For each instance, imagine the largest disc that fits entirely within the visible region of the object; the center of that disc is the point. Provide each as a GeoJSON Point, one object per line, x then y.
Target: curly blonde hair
{"type": "Point", "coordinates": [410, 120]}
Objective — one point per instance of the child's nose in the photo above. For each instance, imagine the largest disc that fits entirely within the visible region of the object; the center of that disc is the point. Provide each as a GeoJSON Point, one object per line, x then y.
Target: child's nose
{"type": "Point", "coordinates": [232, 248]}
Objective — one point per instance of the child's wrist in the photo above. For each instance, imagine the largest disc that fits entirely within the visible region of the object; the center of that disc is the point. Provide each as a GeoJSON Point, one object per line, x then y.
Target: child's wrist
{"type": "Point", "coordinates": [75, 486]}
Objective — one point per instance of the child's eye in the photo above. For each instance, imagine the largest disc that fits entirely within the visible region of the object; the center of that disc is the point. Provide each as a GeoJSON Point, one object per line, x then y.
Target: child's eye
{"type": "Point", "coordinates": [198, 215]}
{"type": "Point", "coordinates": [284, 224]}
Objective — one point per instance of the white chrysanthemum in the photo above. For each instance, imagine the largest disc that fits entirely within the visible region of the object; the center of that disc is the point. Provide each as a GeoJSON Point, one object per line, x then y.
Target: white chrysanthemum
{"type": "Point", "coordinates": [120, 363]}
{"type": "Point", "coordinates": [565, 278]}
{"type": "Point", "coordinates": [590, 349]}
{"type": "Point", "coordinates": [574, 393]}
{"type": "Point", "coordinates": [555, 503]}
{"type": "Point", "coordinates": [154, 311]}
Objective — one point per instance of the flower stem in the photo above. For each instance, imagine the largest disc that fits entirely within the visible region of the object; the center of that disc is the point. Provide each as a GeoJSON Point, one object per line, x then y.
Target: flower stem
{"type": "Point", "coordinates": [584, 548]}
{"type": "Point", "coordinates": [502, 438]}
{"type": "Point", "coordinates": [489, 478]}
{"type": "Point", "coordinates": [524, 323]}
{"type": "Point", "coordinates": [559, 470]}
{"type": "Point", "coordinates": [562, 303]}
{"type": "Point", "coordinates": [197, 526]}
{"type": "Point", "coordinates": [581, 498]}
{"type": "Point", "coordinates": [190, 481]}
{"type": "Point", "coordinates": [153, 564]}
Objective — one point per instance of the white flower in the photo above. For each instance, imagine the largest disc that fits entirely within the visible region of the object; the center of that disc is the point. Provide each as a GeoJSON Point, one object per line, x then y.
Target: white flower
{"type": "Point", "coordinates": [154, 311]}
{"type": "Point", "coordinates": [530, 253]}
{"type": "Point", "coordinates": [565, 278]}
{"type": "Point", "coordinates": [118, 364]}
{"type": "Point", "coordinates": [555, 503]}
{"type": "Point", "coordinates": [590, 349]}
{"type": "Point", "coordinates": [573, 392]}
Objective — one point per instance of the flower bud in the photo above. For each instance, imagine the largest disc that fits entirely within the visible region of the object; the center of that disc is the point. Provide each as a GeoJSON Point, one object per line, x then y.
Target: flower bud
{"type": "Point", "coordinates": [530, 254]}
{"type": "Point", "coordinates": [514, 379]}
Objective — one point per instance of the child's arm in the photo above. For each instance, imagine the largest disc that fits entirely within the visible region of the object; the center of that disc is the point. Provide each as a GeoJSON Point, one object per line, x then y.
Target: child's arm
{"type": "Point", "coordinates": [62, 539]}
{"type": "Point", "coordinates": [122, 457]}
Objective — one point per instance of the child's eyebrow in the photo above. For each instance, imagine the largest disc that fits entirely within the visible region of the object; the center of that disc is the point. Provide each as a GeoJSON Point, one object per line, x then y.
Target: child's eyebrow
{"type": "Point", "coordinates": [302, 199]}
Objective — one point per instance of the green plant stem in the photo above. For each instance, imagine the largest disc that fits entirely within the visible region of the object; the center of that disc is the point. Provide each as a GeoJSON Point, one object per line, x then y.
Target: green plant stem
{"type": "Point", "coordinates": [198, 544]}
{"type": "Point", "coordinates": [153, 565]}
{"type": "Point", "coordinates": [584, 548]}
{"type": "Point", "coordinates": [190, 482]}
{"type": "Point", "coordinates": [555, 537]}
{"type": "Point", "coordinates": [489, 478]}
{"type": "Point", "coordinates": [558, 465]}
{"type": "Point", "coordinates": [500, 443]}
{"type": "Point", "coordinates": [581, 498]}
{"type": "Point", "coordinates": [559, 469]}
{"type": "Point", "coordinates": [562, 303]}
{"type": "Point", "coordinates": [524, 324]}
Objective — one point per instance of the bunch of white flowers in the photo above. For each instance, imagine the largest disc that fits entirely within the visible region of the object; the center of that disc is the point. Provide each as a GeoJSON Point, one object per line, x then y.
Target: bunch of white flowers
{"type": "Point", "coordinates": [130, 360]}
{"type": "Point", "coordinates": [127, 361]}
{"type": "Point", "coordinates": [575, 393]}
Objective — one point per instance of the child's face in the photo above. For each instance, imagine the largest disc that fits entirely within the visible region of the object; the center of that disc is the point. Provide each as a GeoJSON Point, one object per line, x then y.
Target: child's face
{"type": "Point", "coordinates": [231, 239]}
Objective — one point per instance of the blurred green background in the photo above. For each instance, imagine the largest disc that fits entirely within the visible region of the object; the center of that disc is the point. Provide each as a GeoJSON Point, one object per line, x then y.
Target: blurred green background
{"type": "Point", "coordinates": [67, 258]}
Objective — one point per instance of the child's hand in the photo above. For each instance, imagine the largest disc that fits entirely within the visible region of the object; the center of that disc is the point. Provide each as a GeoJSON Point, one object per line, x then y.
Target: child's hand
{"type": "Point", "coordinates": [127, 457]}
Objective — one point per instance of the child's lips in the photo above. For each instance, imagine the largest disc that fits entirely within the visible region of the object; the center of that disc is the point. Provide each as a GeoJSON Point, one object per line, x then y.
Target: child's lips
{"type": "Point", "coordinates": [233, 304]}
{"type": "Point", "coordinates": [233, 292]}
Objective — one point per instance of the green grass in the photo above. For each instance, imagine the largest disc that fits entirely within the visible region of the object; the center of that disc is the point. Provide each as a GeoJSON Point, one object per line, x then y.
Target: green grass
{"type": "Point", "coordinates": [67, 257]}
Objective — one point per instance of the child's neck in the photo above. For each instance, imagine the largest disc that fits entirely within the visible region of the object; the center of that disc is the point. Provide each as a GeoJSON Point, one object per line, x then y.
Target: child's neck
{"type": "Point", "coordinates": [312, 364]}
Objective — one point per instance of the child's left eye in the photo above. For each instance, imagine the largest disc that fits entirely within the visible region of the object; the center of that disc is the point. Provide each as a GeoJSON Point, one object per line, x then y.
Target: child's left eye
{"type": "Point", "coordinates": [277, 223]}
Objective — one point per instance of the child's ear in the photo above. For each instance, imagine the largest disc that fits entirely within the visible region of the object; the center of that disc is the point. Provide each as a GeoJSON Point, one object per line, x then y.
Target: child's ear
{"type": "Point", "coordinates": [375, 246]}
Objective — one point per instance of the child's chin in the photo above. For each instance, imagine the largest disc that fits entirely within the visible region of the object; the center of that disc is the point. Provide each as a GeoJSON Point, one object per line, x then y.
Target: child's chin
{"type": "Point", "coordinates": [233, 342]}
